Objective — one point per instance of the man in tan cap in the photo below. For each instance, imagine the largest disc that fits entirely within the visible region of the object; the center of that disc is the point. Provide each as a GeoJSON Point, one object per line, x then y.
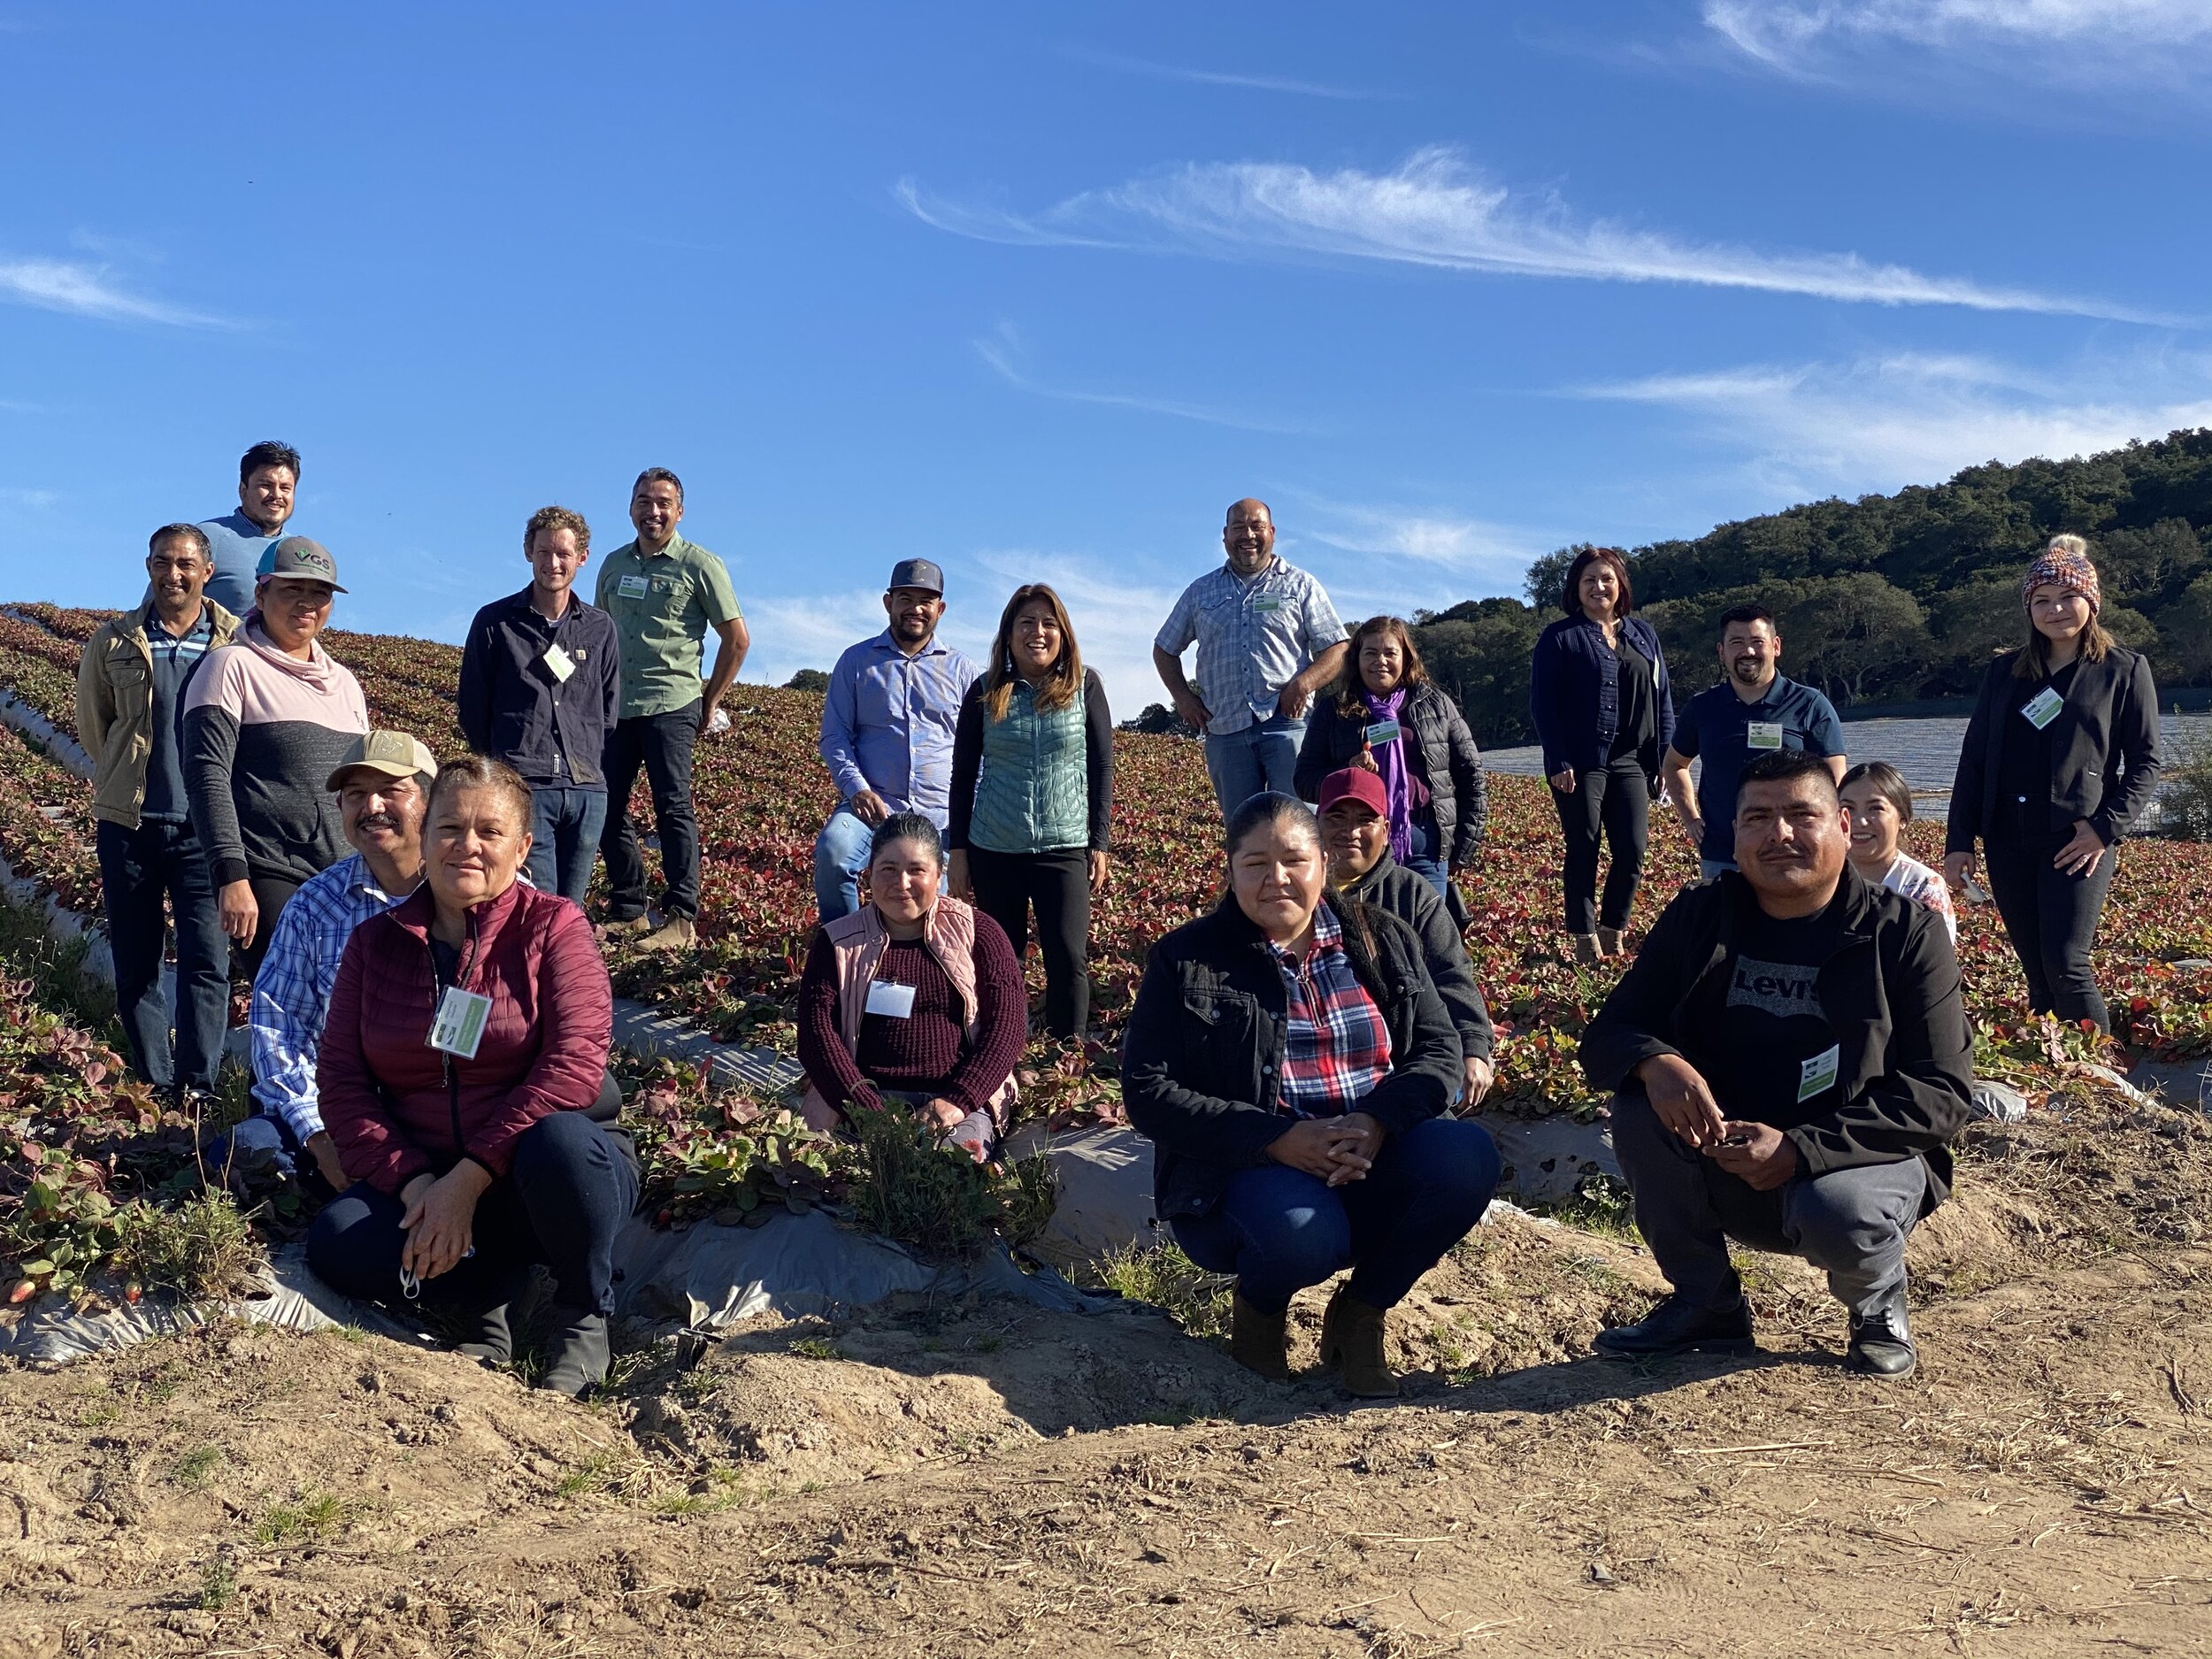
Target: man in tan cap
{"type": "Point", "coordinates": [383, 788]}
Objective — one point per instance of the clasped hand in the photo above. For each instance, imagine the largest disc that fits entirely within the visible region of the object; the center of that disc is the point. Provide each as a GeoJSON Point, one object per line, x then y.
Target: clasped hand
{"type": "Point", "coordinates": [1762, 1156]}
{"type": "Point", "coordinates": [1332, 1149]}
{"type": "Point", "coordinates": [440, 1222]}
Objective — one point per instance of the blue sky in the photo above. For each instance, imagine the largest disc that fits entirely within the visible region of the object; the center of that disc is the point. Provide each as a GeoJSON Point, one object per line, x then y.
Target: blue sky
{"type": "Point", "coordinates": [1036, 290]}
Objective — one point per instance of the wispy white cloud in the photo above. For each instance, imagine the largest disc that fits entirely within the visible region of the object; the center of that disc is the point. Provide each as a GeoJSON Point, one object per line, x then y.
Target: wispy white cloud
{"type": "Point", "coordinates": [1880, 423]}
{"type": "Point", "coordinates": [86, 290]}
{"type": "Point", "coordinates": [2066, 41]}
{"type": "Point", "coordinates": [33, 498]}
{"type": "Point", "coordinates": [1438, 211]}
{"type": "Point", "coordinates": [1461, 547]}
{"type": "Point", "coordinates": [1227, 78]}
{"type": "Point", "coordinates": [1004, 351]}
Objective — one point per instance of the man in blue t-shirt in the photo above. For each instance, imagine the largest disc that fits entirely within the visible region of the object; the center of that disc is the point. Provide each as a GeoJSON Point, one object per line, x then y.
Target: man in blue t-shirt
{"type": "Point", "coordinates": [268, 474]}
{"type": "Point", "coordinates": [1754, 711]}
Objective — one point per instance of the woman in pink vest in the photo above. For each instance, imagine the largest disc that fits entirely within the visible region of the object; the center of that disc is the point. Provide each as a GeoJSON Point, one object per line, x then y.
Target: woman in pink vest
{"type": "Point", "coordinates": [914, 1000]}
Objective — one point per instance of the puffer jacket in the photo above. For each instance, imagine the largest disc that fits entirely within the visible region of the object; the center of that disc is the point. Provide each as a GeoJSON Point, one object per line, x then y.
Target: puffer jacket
{"type": "Point", "coordinates": [395, 1106]}
{"type": "Point", "coordinates": [1203, 1053]}
{"type": "Point", "coordinates": [115, 710]}
{"type": "Point", "coordinates": [1450, 762]}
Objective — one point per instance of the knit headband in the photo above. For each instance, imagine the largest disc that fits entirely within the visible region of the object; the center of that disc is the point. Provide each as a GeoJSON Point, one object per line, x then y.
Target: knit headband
{"type": "Point", "coordinates": [2071, 571]}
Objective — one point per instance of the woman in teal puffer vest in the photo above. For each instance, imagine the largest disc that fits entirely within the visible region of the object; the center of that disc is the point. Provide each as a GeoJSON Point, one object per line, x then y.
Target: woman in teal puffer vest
{"type": "Point", "coordinates": [1033, 784]}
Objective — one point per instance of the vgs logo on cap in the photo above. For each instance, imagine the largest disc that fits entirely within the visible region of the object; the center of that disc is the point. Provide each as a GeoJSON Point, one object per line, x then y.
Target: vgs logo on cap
{"type": "Point", "coordinates": [301, 557]}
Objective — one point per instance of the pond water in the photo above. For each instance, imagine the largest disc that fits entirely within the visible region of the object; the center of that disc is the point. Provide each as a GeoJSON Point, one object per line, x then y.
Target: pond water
{"type": "Point", "coordinates": [1926, 751]}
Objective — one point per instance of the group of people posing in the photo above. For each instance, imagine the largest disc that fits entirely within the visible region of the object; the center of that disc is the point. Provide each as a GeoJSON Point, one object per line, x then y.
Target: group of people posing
{"type": "Point", "coordinates": [432, 1017]}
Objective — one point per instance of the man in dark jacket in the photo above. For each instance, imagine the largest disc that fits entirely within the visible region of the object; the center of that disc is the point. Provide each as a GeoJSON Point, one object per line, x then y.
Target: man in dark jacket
{"type": "Point", "coordinates": [1792, 1059]}
{"type": "Point", "coordinates": [1355, 833]}
{"type": "Point", "coordinates": [541, 689]}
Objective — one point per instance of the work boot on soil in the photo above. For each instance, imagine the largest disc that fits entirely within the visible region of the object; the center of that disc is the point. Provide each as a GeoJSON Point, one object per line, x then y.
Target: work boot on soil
{"type": "Point", "coordinates": [1881, 1341]}
{"type": "Point", "coordinates": [677, 932]}
{"type": "Point", "coordinates": [1256, 1340]}
{"type": "Point", "coordinates": [577, 1357]}
{"type": "Point", "coordinates": [488, 1340]}
{"type": "Point", "coordinates": [1609, 942]}
{"type": "Point", "coordinates": [628, 926]}
{"type": "Point", "coordinates": [1352, 1337]}
{"type": "Point", "coordinates": [1677, 1327]}
{"type": "Point", "coordinates": [1587, 950]}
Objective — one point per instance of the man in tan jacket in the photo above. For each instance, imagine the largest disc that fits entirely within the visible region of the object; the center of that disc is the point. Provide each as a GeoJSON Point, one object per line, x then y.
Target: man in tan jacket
{"type": "Point", "coordinates": [129, 691]}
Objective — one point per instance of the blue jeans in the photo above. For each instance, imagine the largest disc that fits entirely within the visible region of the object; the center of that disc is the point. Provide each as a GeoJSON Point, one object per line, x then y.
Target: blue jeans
{"type": "Point", "coordinates": [1710, 869]}
{"type": "Point", "coordinates": [565, 824]}
{"type": "Point", "coordinates": [1425, 857]}
{"type": "Point", "coordinates": [1258, 758]}
{"type": "Point", "coordinates": [840, 853]}
{"type": "Point", "coordinates": [1279, 1230]}
{"type": "Point", "coordinates": [137, 867]}
{"type": "Point", "coordinates": [563, 1202]}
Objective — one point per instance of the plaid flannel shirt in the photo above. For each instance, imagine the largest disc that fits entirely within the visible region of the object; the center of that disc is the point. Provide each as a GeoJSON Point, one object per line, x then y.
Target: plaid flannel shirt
{"type": "Point", "coordinates": [1336, 1047]}
{"type": "Point", "coordinates": [291, 993]}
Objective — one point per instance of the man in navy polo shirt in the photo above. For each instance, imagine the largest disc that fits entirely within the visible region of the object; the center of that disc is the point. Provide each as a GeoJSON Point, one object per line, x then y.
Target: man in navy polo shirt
{"type": "Point", "coordinates": [1754, 711]}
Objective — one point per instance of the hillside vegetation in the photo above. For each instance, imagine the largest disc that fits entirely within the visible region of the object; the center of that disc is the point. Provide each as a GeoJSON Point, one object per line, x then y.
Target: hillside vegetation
{"type": "Point", "coordinates": [1889, 596]}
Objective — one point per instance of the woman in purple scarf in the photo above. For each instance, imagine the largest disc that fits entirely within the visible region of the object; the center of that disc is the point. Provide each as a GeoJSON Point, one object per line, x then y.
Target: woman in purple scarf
{"type": "Point", "coordinates": [1385, 714]}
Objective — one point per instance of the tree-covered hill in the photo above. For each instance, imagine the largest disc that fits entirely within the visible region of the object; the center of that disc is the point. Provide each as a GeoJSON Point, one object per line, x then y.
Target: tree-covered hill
{"type": "Point", "coordinates": [1888, 596]}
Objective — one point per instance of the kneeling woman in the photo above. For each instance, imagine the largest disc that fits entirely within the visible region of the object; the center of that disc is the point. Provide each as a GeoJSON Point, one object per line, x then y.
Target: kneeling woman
{"type": "Point", "coordinates": [914, 1000]}
{"type": "Point", "coordinates": [1289, 1058]}
{"type": "Point", "coordinates": [466, 1052]}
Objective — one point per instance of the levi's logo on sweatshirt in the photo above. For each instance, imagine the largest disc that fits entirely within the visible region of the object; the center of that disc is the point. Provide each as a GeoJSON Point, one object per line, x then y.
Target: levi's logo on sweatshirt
{"type": "Point", "coordinates": [1784, 989]}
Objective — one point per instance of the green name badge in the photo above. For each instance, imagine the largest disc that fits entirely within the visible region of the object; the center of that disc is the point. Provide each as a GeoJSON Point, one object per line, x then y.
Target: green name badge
{"type": "Point", "coordinates": [1382, 733]}
{"type": "Point", "coordinates": [459, 1026]}
{"type": "Point", "coordinates": [631, 587]}
{"type": "Point", "coordinates": [1763, 734]}
{"type": "Point", "coordinates": [1817, 1075]}
{"type": "Point", "coordinates": [2040, 710]}
{"type": "Point", "coordinates": [1267, 604]}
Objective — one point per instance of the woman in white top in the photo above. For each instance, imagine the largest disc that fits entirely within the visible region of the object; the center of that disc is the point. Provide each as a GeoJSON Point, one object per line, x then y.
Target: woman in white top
{"type": "Point", "coordinates": [1881, 804]}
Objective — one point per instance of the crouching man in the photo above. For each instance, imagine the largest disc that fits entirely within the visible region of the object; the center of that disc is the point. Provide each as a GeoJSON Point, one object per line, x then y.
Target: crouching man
{"type": "Point", "coordinates": [1790, 1059]}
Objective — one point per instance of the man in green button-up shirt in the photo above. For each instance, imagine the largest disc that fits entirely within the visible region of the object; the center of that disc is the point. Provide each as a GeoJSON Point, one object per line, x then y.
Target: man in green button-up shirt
{"type": "Point", "coordinates": [663, 594]}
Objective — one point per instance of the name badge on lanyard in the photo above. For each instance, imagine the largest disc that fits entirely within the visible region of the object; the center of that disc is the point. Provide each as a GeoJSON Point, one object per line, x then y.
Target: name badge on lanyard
{"type": "Point", "coordinates": [459, 1027]}
{"type": "Point", "coordinates": [1382, 733]}
{"type": "Point", "coordinates": [892, 1002]}
{"type": "Point", "coordinates": [1817, 1075]}
{"type": "Point", "coordinates": [2040, 710]}
{"type": "Point", "coordinates": [1763, 734]}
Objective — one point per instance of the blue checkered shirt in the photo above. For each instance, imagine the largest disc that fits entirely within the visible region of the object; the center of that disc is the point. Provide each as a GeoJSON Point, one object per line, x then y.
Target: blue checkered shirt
{"type": "Point", "coordinates": [1255, 635]}
{"type": "Point", "coordinates": [291, 993]}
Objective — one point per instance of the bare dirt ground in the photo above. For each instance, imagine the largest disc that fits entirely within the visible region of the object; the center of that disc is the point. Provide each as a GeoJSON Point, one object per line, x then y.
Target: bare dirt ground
{"type": "Point", "coordinates": [993, 1478]}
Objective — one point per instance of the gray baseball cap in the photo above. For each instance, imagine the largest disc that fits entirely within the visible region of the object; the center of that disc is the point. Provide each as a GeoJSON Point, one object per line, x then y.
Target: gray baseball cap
{"type": "Point", "coordinates": [916, 573]}
{"type": "Point", "coordinates": [299, 555]}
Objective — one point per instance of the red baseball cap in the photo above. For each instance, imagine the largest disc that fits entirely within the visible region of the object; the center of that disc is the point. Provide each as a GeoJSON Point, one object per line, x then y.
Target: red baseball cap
{"type": "Point", "coordinates": [1356, 783]}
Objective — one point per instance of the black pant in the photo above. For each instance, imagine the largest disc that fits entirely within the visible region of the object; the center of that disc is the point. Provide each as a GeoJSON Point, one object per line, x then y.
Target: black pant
{"type": "Point", "coordinates": [661, 744]}
{"type": "Point", "coordinates": [1613, 804]}
{"type": "Point", "coordinates": [271, 895]}
{"type": "Point", "coordinates": [138, 868]}
{"type": "Point", "coordinates": [1058, 884]}
{"type": "Point", "coordinates": [2051, 918]}
{"type": "Point", "coordinates": [563, 1202]}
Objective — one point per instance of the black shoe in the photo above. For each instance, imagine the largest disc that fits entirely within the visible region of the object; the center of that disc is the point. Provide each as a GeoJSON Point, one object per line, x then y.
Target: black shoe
{"type": "Point", "coordinates": [577, 1358]}
{"type": "Point", "coordinates": [1677, 1327]}
{"type": "Point", "coordinates": [1881, 1341]}
{"type": "Point", "coordinates": [488, 1340]}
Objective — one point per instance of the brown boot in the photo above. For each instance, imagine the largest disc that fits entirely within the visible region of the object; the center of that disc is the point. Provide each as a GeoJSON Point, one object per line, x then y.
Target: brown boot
{"type": "Point", "coordinates": [1352, 1337]}
{"type": "Point", "coordinates": [1256, 1340]}
{"type": "Point", "coordinates": [1587, 951]}
{"type": "Point", "coordinates": [1609, 942]}
{"type": "Point", "coordinates": [677, 932]}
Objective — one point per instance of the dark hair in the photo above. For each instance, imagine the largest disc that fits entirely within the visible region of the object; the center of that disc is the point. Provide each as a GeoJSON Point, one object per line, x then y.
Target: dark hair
{"type": "Point", "coordinates": [1270, 809]}
{"type": "Point", "coordinates": [1786, 765]}
{"type": "Point", "coordinates": [1748, 615]}
{"type": "Point", "coordinates": [478, 772]}
{"type": "Point", "coordinates": [906, 826]}
{"type": "Point", "coordinates": [268, 452]}
{"type": "Point", "coordinates": [1349, 683]}
{"type": "Point", "coordinates": [1063, 683]}
{"type": "Point", "coordinates": [1570, 597]}
{"type": "Point", "coordinates": [561, 519]}
{"type": "Point", "coordinates": [1886, 781]}
{"type": "Point", "coordinates": [168, 533]}
{"type": "Point", "coordinates": [658, 475]}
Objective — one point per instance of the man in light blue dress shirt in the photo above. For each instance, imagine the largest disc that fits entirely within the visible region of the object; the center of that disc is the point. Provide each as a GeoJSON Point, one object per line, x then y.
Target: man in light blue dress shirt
{"type": "Point", "coordinates": [888, 722]}
{"type": "Point", "coordinates": [1268, 639]}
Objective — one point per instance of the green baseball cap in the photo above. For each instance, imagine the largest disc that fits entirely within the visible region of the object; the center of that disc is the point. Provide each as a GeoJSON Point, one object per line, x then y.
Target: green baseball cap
{"type": "Point", "coordinates": [299, 555]}
{"type": "Point", "coordinates": [395, 754]}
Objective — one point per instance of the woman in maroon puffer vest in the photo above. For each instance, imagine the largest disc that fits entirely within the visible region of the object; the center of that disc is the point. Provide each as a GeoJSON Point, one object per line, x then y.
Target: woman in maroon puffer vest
{"type": "Point", "coordinates": [466, 1046]}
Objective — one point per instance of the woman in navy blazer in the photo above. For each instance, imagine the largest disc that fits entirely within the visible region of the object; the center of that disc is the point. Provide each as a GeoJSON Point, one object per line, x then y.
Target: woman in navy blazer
{"type": "Point", "coordinates": [2060, 756]}
{"type": "Point", "coordinates": [1604, 713]}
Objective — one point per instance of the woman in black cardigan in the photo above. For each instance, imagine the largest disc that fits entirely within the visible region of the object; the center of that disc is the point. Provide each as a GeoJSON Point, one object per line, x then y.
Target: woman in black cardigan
{"type": "Point", "coordinates": [1289, 1058]}
{"type": "Point", "coordinates": [1385, 715]}
{"type": "Point", "coordinates": [2059, 757]}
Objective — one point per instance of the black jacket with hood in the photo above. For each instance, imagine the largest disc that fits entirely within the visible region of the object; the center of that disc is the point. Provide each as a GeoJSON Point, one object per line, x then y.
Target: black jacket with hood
{"type": "Point", "coordinates": [1890, 993]}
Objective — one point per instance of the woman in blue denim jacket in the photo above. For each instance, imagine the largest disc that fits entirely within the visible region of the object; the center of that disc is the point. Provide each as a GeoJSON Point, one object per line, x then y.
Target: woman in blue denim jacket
{"type": "Point", "coordinates": [1604, 714]}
